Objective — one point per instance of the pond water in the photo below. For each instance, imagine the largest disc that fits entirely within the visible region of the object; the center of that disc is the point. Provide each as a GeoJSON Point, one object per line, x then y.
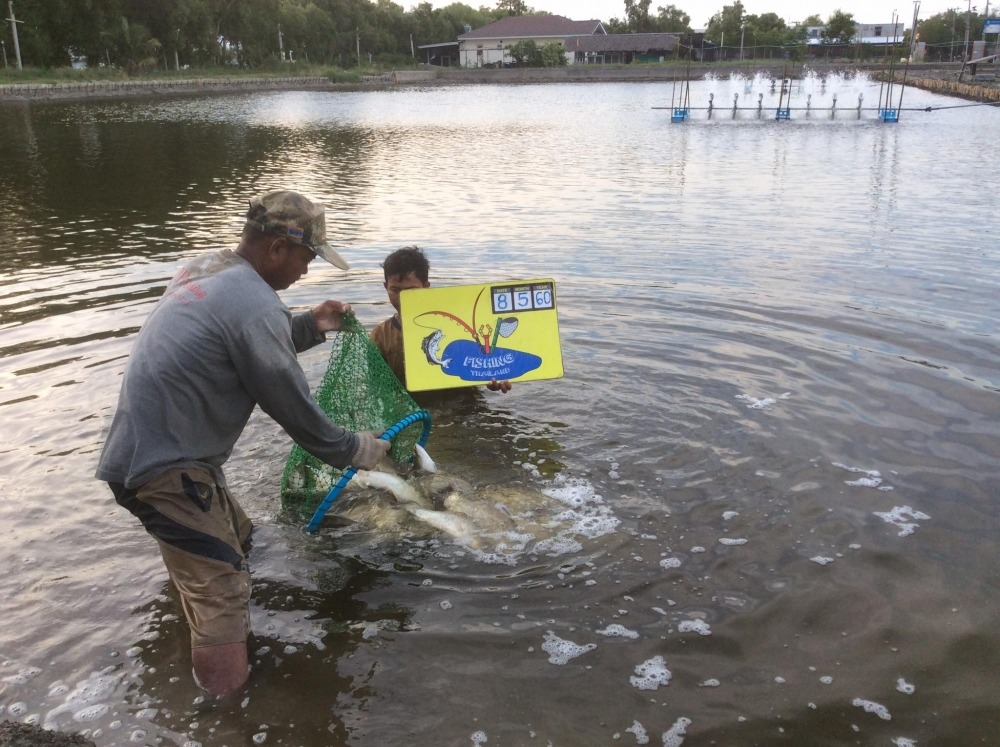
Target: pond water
{"type": "Point", "coordinates": [772, 460]}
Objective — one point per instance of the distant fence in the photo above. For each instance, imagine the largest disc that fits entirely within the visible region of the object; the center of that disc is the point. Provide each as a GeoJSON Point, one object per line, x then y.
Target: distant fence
{"type": "Point", "coordinates": [968, 91]}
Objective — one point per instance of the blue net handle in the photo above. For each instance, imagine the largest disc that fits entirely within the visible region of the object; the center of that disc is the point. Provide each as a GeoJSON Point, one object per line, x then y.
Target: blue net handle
{"type": "Point", "coordinates": [389, 434]}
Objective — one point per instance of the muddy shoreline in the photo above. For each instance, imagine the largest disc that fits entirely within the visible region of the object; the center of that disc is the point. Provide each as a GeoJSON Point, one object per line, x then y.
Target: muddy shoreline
{"type": "Point", "coordinates": [14, 734]}
{"type": "Point", "coordinates": [934, 77]}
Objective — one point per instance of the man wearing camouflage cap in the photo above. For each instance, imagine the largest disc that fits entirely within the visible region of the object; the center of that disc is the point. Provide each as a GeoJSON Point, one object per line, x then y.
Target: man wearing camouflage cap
{"type": "Point", "coordinates": [218, 343]}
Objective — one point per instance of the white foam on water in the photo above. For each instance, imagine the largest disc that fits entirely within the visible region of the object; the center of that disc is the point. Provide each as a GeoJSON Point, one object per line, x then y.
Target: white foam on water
{"type": "Point", "coordinates": [556, 546]}
{"type": "Point", "coordinates": [584, 515]}
{"type": "Point", "coordinates": [898, 518]}
{"type": "Point", "coordinates": [729, 515]}
{"type": "Point", "coordinates": [905, 687]}
{"type": "Point", "coordinates": [651, 674]}
{"type": "Point", "coordinates": [560, 650]}
{"type": "Point", "coordinates": [710, 683]}
{"type": "Point", "coordinates": [732, 541]}
{"type": "Point", "coordinates": [588, 516]}
{"type": "Point", "coordinates": [826, 679]}
{"type": "Point", "coordinates": [697, 549]}
{"type": "Point", "coordinates": [760, 404]}
{"type": "Point", "coordinates": [637, 729]}
{"type": "Point", "coordinates": [88, 696]}
{"type": "Point", "coordinates": [904, 742]}
{"type": "Point", "coordinates": [871, 706]}
{"type": "Point", "coordinates": [872, 477]}
{"type": "Point", "coordinates": [592, 525]}
{"type": "Point", "coordinates": [620, 631]}
{"type": "Point", "coordinates": [674, 736]}
{"type": "Point", "coordinates": [694, 626]}
{"type": "Point", "coordinates": [25, 674]}
{"type": "Point", "coordinates": [17, 709]}
{"type": "Point", "coordinates": [668, 563]}
{"type": "Point", "coordinates": [821, 560]}
{"type": "Point", "coordinates": [479, 737]}
{"type": "Point", "coordinates": [91, 713]}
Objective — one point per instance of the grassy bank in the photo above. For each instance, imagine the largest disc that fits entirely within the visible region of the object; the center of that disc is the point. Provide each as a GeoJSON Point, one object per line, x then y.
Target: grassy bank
{"type": "Point", "coordinates": [68, 83]}
{"type": "Point", "coordinates": [30, 75]}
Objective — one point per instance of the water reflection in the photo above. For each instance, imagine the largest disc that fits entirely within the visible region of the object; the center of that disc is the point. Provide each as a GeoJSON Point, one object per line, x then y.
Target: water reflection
{"type": "Point", "coordinates": [779, 352]}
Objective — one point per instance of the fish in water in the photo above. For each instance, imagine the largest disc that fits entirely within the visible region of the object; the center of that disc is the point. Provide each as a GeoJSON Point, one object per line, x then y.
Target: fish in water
{"type": "Point", "coordinates": [431, 345]}
{"type": "Point", "coordinates": [446, 503]}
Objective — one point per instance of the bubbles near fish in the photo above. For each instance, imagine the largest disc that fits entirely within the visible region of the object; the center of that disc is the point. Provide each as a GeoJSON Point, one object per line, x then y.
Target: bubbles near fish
{"type": "Point", "coordinates": [495, 524]}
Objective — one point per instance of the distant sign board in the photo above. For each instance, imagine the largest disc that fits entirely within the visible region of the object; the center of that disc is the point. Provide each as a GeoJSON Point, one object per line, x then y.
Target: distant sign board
{"type": "Point", "coordinates": [466, 335]}
{"type": "Point", "coordinates": [991, 26]}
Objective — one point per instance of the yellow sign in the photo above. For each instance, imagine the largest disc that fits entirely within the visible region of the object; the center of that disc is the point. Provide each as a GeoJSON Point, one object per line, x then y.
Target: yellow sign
{"type": "Point", "coordinates": [466, 335]}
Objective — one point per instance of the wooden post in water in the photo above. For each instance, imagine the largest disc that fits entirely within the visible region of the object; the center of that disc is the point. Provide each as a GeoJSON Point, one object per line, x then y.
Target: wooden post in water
{"type": "Point", "coordinates": [13, 31]}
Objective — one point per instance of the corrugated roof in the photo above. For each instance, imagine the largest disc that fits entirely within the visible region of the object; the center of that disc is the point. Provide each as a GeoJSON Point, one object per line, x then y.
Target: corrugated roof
{"type": "Point", "coordinates": [623, 43]}
{"type": "Point", "coordinates": [528, 27]}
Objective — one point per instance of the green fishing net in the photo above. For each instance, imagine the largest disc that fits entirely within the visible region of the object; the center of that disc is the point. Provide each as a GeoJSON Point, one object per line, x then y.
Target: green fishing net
{"type": "Point", "coordinates": [361, 393]}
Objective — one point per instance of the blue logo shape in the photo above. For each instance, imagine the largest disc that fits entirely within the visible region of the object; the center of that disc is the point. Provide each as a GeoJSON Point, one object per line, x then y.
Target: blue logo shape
{"type": "Point", "coordinates": [467, 361]}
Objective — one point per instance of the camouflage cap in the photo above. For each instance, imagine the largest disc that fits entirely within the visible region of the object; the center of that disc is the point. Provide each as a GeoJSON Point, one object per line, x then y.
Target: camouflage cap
{"type": "Point", "coordinates": [296, 217]}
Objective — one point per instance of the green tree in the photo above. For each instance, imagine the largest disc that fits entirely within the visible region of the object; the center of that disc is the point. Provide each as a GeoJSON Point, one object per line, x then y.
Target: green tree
{"type": "Point", "coordinates": [840, 28]}
{"type": "Point", "coordinates": [944, 33]}
{"type": "Point", "coordinates": [513, 8]}
{"type": "Point", "coordinates": [726, 23]}
{"type": "Point", "coordinates": [670, 18]}
{"type": "Point", "coordinates": [553, 55]}
{"type": "Point", "coordinates": [526, 53]}
{"type": "Point", "coordinates": [132, 47]}
{"type": "Point", "coordinates": [637, 15]}
{"type": "Point", "coordinates": [768, 35]}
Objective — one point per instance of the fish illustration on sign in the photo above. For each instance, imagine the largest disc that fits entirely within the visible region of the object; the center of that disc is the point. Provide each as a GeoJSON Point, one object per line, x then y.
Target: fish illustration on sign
{"type": "Point", "coordinates": [431, 345]}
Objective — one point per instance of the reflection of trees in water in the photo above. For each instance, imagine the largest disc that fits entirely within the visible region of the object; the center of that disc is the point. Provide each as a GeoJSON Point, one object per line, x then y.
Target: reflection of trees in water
{"type": "Point", "coordinates": [72, 167]}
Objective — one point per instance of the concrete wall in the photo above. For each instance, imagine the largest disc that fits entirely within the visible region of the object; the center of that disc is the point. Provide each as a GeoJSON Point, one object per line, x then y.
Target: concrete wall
{"type": "Point", "coordinates": [113, 89]}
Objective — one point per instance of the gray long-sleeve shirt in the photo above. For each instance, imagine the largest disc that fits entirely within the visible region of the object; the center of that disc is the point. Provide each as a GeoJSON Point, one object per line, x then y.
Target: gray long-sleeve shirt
{"type": "Point", "coordinates": [218, 342]}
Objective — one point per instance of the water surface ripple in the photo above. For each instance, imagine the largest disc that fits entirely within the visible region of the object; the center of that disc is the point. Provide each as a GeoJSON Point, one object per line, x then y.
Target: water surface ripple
{"type": "Point", "coordinates": [773, 456]}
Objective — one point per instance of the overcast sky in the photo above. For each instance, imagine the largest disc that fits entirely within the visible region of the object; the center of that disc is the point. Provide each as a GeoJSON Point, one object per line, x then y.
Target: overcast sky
{"type": "Point", "coordinates": [865, 11]}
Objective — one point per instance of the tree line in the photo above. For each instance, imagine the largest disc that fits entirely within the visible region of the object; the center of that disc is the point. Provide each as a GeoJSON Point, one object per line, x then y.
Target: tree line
{"type": "Point", "coordinates": [137, 35]}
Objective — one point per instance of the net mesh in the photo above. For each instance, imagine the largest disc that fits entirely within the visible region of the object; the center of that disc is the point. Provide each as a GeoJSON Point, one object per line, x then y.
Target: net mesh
{"type": "Point", "coordinates": [360, 392]}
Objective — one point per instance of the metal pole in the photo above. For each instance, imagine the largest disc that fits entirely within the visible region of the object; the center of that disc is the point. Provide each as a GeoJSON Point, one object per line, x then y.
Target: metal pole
{"type": "Point", "coordinates": [968, 22]}
{"type": "Point", "coordinates": [13, 30]}
{"type": "Point", "coordinates": [4, 53]}
{"type": "Point", "coordinates": [281, 44]}
{"type": "Point", "coordinates": [954, 12]}
{"type": "Point", "coordinates": [743, 31]}
{"type": "Point", "coordinates": [913, 30]}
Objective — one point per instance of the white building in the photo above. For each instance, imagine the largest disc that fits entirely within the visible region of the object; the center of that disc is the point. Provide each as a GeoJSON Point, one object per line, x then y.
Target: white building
{"type": "Point", "coordinates": [488, 45]}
